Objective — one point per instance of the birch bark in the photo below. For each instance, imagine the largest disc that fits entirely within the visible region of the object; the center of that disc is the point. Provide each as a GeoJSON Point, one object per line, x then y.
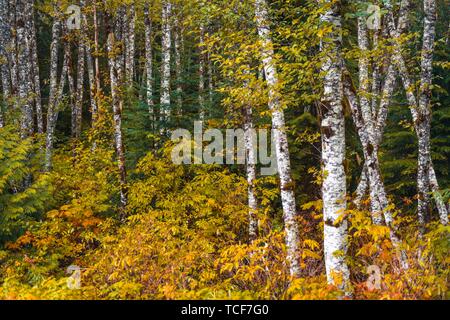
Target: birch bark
{"type": "Point", "coordinates": [35, 71]}
{"type": "Point", "coordinates": [115, 73]}
{"type": "Point", "coordinates": [149, 62]}
{"type": "Point", "coordinates": [4, 67]}
{"type": "Point", "coordinates": [280, 138]}
{"type": "Point", "coordinates": [56, 90]}
{"type": "Point", "coordinates": [24, 69]}
{"type": "Point", "coordinates": [130, 50]}
{"type": "Point", "coordinates": [250, 150]}
{"type": "Point", "coordinates": [421, 113]}
{"type": "Point", "coordinates": [178, 35]}
{"type": "Point", "coordinates": [333, 154]}
{"type": "Point", "coordinates": [166, 44]}
{"type": "Point", "coordinates": [201, 74]}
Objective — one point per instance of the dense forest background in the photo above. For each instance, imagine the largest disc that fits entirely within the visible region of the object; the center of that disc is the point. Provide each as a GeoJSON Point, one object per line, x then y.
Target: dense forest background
{"type": "Point", "coordinates": [361, 117]}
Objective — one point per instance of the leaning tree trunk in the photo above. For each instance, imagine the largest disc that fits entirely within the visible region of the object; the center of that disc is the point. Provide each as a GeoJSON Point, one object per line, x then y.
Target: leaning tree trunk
{"type": "Point", "coordinates": [421, 113]}
{"type": "Point", "coordinates": [333, 155]}
{"type": "Point", "coordinates": [166, 44]}
{"type": "Point", "coordinates": [280, 139]}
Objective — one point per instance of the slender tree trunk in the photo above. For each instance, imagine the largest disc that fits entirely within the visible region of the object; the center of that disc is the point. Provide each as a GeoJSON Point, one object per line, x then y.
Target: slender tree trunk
{"type": "Point", "coordinates": [333, 155]}
{"type": "Point", "coordinates": [129, 38]}
{"type": "Point", "coordinates": [421, 113]}
{"type": "Point", "coordinates": [98, 87]}
{"type": "Point", "coordinates": [201, 74]}
{"type": "Point", "coordinates": [166, 44]}
{"type": "Point", "coordinates": [24, 67]}
{"type": "Point", "coordinates": [281, 142]}
{"type": "Point", "coordinates": [210, 80]}
{"type": "Point", "coordinates": [35, 72]}
{"type": "Point", "coordinates": [55, 89]}
{"type": "Point", "coordinates": [378, 198]}
{"type": "Point", "coordinates": [12, 57]}
{"type": "Point", "coordinates": [78, 106]}
{"type": "Point", "coordinates": [178, 35]}
{"type": "Point", "coordinates": [250, 147]}
{"type": "Point", "coordinates": [149, 62]}
{"type": "Point", "coordinates": [4, 67]}
{"type": "Point", "coordinates": [117, 103]}
{"type": "Point", "coordinates": [423, 122]}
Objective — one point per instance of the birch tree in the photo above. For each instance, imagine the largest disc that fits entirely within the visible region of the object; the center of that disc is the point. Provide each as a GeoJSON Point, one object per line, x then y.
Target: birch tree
{"type": "Point", "coordinates": [78, 103]}
{"type": "Point", "coordinates": [56, 87]}
{"type": "Point", "coordinates": [178, 39]}
{"type": "Point", "coordinates": [333, 153]}
{"type": "Point", "coordinates": [116, 79]}
{"type": "Point", "coordinates": [166, 44]}
{"type": "Point", "coordinates": [149, 61]}
{"type": "Point", "coordinates": [24, 69]}
{"type": "Point", "coordinates": [201, 74]}
{"type": "Point", "coordinates": [34, 72]}
{"type": "Point", "coordinates": [421, 112]}
{"type": "Point", "coordinates": [129, 39]}
{"type": "Point", "coordinates": [4, 66]}
{"type": "Point", "coordinates": [281, 142]}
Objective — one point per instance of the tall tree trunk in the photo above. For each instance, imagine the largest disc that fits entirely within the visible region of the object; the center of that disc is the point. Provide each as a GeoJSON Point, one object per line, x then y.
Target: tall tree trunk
{"type": "Point", "coordinates": [35, 72]}
{"type": "Point", "coordinates": [423, 122]}
{"type": "Point", "coordinates": [281, 142]}
{"type": "Point", "coordinates": [78, 105]}
{"type": "Point", "coordinates": [250, 148]}
{"type": "Point", "coordinates": [149, 62]}
{"type": "Point", "coordinates": [95, 85]}
{"type": "Point", "coordinates": [178, 36]}
{"type": "Point", "coordinates": [24, 67]}
{"type": "Point", "coordinates": [333, 155]}
{"type": "Point", "coordinates": [12, 57]}
{"type": "Point", "coordinates": [116, 77]}
{"type": "Point", "coordinates": [56, 89]}
{"type": "Point", "coordinates": [421, 113]}
{"type": "Point", "coordinates": [166, 44]}
{"type": "Point", "coordinates": [201, 74]}
{"type": "Point", "coordinates": [129, 39]}
{"type": "Point", "coordinates": [4, 67]}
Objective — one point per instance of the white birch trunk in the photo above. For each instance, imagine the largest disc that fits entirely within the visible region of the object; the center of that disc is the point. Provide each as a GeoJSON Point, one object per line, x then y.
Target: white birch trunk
{"type": "Point", "coordinates": [178, 35]}
{"type": "Point", "coordinates": [333, 155]}
{"type": "Point", "coordinates": [250, 165]}
{"type": "Point", "coordinates": [24, 69]}
{"type": "Point", "coordinates": [129, 39]}
{"type": "Point", "coordinates": [149, 62]}
{"type": "Point", "coordinates": [421, 113]}
{"type": "Point", "coordinates": [280, 139]}
{"type": "Point", "coordinates": [4, 67]}
{"type": "Point", "coordinates": [115, 73]}
{"type": "Point", "coordinates": [201, 74]}
{"type": "Point", "coordinates": [166, 44]}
